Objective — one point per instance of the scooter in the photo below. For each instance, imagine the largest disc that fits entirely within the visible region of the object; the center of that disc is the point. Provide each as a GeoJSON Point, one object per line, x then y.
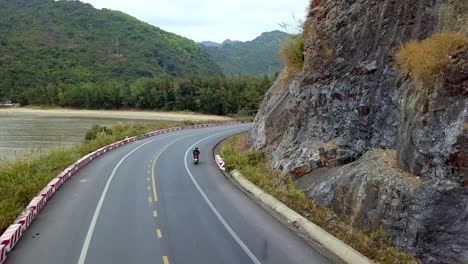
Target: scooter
{"type": "Point", "coordinates": [195, 159]}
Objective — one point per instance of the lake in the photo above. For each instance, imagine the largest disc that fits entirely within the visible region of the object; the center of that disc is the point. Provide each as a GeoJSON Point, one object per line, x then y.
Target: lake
{"type": "Point", "coordinates": [20, 135]}
{"type": "Point", "coordinates": [30, 130]}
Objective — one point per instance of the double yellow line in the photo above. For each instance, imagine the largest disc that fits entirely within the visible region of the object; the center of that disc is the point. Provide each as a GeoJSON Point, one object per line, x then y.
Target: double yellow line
{"type": "Point", "coordinates": [153, 183]}
{"type": "Point", "coordinates": [153, 178]}
{"type": "Point", "coordinates": [155, 193]}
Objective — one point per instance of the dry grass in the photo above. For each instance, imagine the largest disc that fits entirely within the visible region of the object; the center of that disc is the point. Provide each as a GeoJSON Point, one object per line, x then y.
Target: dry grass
{"type": "Point", "coordinates": [316, 3]}
{"type": "Point", "coordinates": [309, 30]}
{"type": "Point", "coordinates": [386, 160]}
{"type": "Point", "coordinates": [292, 55]}
{"type": "Point", "coordinates": [425, 61]}
{"type": "Point", "coordinates": [376, 245]}
{"type": "Point", "coordinates": [318, 49]}
{"type": "Point", "coordinates": [240, 143]}
{"type": "Point", "coordinates": [280, 85]}
{"type": "Point", "coordinates": [329, 145]}
{"type": "Point", "coordinates": [328, 54]}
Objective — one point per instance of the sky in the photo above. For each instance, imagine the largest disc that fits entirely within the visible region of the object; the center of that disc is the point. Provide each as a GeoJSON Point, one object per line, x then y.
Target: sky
{"type": "Point", "coordinates": [214, 20]}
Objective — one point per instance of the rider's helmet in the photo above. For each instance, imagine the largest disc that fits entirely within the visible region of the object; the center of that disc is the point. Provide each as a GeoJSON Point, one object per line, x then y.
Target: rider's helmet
{"type": "Point", "coordinates": [196, 148]}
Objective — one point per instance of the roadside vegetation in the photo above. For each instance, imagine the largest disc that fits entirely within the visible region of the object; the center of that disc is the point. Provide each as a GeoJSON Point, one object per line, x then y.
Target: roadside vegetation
{"type": "Point", "coordinates": [292, 55]}
{"type": "Point", "coordinates": [253, 165]}
{"type": "Point", "coordinates": [425, 61]}
{"type": "Point", "coordinates": [22, 179]}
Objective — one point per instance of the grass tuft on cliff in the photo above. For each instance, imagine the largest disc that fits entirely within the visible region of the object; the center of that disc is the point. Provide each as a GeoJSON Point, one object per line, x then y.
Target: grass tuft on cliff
{"type": "Point", "coordinates": [424, 61]}
{"type": "Point", "coordinates": [292, 55]}
{"type": "Point", "coordinates": [22, 179]}
{"type": "Point", "coordinates": [376, 245]}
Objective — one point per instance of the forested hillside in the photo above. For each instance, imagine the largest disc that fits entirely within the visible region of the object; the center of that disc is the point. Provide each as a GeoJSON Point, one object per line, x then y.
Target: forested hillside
{"type": "Point", "coordinates": [51, 51]}
{"type": "Point", "coordinates": [214, 95]}
{"type": "Point", "coordinates": [257, 57]}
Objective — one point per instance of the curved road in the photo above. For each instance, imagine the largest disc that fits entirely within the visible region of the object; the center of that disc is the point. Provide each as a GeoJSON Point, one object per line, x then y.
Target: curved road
{"type": "Point", "coordinates": [146, 202]}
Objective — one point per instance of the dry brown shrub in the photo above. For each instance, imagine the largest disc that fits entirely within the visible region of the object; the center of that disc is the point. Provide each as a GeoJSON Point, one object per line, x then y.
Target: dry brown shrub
{"type": "Point", "coordinates": [425, 61]}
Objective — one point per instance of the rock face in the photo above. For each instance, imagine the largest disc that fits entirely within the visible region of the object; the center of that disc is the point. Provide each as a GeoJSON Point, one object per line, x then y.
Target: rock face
{"type": "Point", "coordinates": [349, 100]}
{"type": "Point", "coordinates": [433, 131]}
{"type": "Point", "coordinates": [346, 92]}
{"type": "Point", "coordinates": [427, 218]}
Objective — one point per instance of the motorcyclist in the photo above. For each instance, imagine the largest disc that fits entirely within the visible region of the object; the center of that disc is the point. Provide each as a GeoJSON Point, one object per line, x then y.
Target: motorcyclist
{"type": "Point", "coordinates": [196, 153]}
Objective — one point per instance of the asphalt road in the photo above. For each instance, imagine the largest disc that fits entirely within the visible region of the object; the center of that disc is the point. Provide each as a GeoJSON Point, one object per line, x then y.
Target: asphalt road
{"type": "Point", "coordinates": [146, 202]}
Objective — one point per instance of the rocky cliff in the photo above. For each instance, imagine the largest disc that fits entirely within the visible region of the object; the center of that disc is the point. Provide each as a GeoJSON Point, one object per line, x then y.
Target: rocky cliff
{"type": "Point", "coordinates": [392, 150]}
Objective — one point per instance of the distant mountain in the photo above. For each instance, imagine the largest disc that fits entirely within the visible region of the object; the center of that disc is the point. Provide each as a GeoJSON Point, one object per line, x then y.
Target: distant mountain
{"type": "Point", "coordinates": [209, 44]}
{"type": "Point", "coordinates": [216, 44]}
{"type": "Point", "coordinates": [228, 41]}
{"type": "Point", "coordinates": [257, 57]}
{"type": "Point", "coordinates": [47, 46]}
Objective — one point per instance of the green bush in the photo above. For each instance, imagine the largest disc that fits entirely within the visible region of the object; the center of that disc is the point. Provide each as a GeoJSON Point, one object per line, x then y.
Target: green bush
{"type": "Point", "coordinates": [94, 131]}
{"type": "Point", "coordinates": [292, 54]}
{"type": "Point", "coordinates": [255, 157]}
{"type": "Point", "coordinates": [381, 235]}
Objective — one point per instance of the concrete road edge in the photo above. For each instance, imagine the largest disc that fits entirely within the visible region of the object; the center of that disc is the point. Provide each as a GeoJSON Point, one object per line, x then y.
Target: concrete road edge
{"type": "Point", "coordinates": [322, 241]}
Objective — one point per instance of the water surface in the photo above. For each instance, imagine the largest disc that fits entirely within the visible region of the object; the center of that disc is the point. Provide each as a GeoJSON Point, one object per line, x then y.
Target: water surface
{"type": "Point", "coordinates": [24, 134]}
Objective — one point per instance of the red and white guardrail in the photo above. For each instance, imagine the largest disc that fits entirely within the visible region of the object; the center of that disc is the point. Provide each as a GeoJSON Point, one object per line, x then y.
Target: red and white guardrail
{"type": "Point", "coordinates": [11, 236]}
{"type": "Point", "coordinates": [2, 253]}
{"type": "Point", "coordinates": [14, 232]}
{"type": "Point", "coordinates": [220, 162]}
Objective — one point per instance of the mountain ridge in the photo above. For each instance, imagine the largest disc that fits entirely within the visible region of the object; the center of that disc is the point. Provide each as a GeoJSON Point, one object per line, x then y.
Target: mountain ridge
{"type": "Point", "coordinates": [58, 43]}
{"type": "Point", "coordinates": [208, 43]}
{"type": "Point", "coordinates": [236, 57]}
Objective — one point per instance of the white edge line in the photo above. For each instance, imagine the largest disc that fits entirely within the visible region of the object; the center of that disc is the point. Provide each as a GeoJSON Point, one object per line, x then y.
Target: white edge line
{"type": "Point", "coordinates": [215, 211]}
{"type": "Point", "coordinates": [89, 235]}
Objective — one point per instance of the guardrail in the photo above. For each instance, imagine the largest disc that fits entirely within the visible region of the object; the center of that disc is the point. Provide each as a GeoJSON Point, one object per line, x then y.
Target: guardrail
{"type": "Point", "coordinates": [14, 232]}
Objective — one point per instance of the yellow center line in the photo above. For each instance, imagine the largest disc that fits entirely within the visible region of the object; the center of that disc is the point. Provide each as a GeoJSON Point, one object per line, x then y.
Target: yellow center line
{"type": "Point", "coordinates": [150, 200]}
{"type": "Point", "coordinates": [155, 214]}
{"type": "Point", "coordinates": [159, 233]}
{"type": "Point", "coordinates": [155, 193]}
{"type": "Point", "coordinates": [165, 260]}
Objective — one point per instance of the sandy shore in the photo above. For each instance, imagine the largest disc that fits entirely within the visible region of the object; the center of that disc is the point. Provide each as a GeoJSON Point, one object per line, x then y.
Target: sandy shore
{"type": "Point", "coordinates": [125, 114]}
